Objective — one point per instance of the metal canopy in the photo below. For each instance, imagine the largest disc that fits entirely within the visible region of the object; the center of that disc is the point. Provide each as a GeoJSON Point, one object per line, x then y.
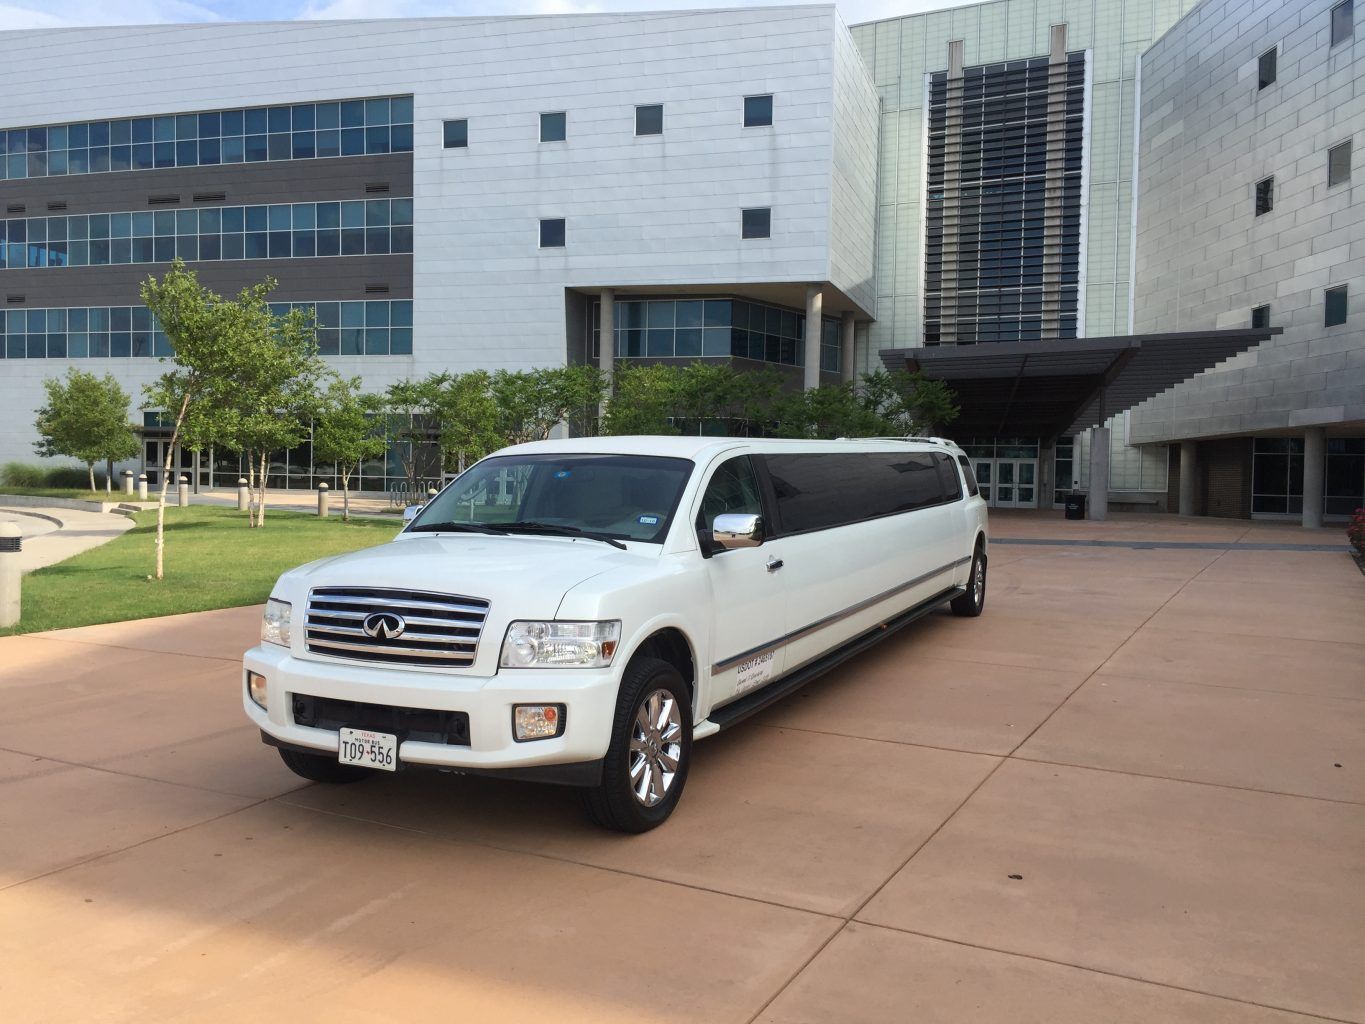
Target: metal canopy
{"type": "Point", "coordinates": [1047, 388]}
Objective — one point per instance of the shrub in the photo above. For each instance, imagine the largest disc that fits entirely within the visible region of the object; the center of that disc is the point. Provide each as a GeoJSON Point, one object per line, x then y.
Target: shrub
{"type": "Point", "coordinates": [20, 474]}
{"type": "Point", "coordinates": [1355, 532]}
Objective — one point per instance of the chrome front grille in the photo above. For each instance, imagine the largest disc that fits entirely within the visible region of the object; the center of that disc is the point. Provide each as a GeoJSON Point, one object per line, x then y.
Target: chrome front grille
{"type": "Point", "coordinates": [403, 627]}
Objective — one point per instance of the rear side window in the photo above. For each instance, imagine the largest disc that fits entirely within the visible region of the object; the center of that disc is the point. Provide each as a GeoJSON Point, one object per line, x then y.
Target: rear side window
{"type": "Point", "coordinates": [820, 490]}
{"type": "Point", "coordinates": [968, 475]}
{"type": "Point", "coordinates": [947, 478]}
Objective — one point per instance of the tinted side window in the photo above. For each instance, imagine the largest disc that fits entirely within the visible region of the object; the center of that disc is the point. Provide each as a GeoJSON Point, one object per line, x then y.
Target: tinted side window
{"type": "Point", "coordinates": [947, 478]}
{"type": "Point", "coordinates": [821, 490]}
{"type": "Point", "coordinates": [968, 475]}
{"type": "Point", "coordinates": [733, 488]}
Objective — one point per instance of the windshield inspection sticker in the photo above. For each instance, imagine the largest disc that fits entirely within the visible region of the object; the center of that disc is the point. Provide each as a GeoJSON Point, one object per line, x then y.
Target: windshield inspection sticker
{"type": "Point", "coordinates": [754, 672]}
{"type": "Point", "coordinates": [649, 520]}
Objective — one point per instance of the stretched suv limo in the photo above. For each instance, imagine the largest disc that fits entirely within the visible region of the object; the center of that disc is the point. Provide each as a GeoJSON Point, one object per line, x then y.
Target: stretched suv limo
{"type": "Point", "coordinates": [580, 611]}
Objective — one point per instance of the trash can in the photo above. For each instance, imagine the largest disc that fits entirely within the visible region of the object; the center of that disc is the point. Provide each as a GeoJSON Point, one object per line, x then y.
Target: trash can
{"type": "Point", "coordinates": [1075, 505]}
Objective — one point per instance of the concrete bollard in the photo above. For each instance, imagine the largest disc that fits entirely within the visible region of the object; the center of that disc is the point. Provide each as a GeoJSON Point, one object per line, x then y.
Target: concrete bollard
{"type": "Point", "coordinates": [431, 493]}
{"type": "Point", "coordinates": [243, 494]}
{"type": "Point", "coordinates": [323, 490]}
{"type": "Point", "coordinates": [183, 490]}
{"type": "Point", "coordinates": [142, 487]}
{"type": "Point", "coordinates": [10, 574]}
{"type": "Point", "coordinates": [127, 481]}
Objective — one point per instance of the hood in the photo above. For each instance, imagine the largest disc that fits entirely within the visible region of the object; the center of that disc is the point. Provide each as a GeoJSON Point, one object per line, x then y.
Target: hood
{"type": "Point", "coordinates": [522, 577]}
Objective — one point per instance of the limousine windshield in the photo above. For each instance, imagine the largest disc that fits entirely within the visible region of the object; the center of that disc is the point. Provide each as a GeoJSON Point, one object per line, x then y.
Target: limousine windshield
{"type": "Point", "coordinates": [613, 497]}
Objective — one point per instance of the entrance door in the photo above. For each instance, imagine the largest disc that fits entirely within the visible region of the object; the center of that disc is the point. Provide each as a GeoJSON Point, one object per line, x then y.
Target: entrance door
{"type": "Point", "coordinates": [1007, 483]}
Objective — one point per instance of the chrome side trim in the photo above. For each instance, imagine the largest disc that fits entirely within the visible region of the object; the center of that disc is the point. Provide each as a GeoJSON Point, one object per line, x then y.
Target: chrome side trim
{"type": "Point", "coordinates": [829, 620]}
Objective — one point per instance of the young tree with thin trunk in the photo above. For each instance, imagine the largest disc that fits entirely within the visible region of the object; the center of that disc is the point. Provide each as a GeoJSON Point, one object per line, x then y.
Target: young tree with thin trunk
{"type": "Point", "coordinates": [201, 330]}
{"type": "Point", "coordinates": [347, 431]}
{"type": "Point", "coordinates": [86, 418]}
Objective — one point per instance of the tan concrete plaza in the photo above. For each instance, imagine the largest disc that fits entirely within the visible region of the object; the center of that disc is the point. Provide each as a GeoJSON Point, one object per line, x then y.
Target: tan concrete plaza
{"type": "Point", "coordinates": [1133, 791]}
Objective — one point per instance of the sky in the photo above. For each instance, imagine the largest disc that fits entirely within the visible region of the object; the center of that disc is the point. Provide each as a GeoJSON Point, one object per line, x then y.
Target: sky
{"type": "Point", "coordinates": [17, 14]}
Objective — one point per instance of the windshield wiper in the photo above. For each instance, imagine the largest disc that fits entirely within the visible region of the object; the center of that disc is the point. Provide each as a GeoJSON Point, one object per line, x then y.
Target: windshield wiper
{"type": "Point", "coordinates": [455, 528]}
{"type": "Point", "coordinates": [558, 530]}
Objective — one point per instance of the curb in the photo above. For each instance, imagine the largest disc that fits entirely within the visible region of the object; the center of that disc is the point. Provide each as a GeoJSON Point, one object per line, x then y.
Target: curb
{"type": "Point", "coordinates": [33, 515]}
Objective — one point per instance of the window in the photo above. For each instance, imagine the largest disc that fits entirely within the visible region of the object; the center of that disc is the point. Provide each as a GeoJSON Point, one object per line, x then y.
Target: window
{"type": "Point", "coordinates": [1339, 164]}
{"type": "Point", "coordinates": [1260, 317]}
{"type": "Point", "coordinates": [820, 491]}
{"type": "Point", "coordinates": [1267, 67]}
{"type": "Point", "coordinates": [758, 111]}
{"type": "Point", "coordinates": [1334, 307]}
{"type": "Point", "coordinates": [732, 490]}
{"type": "Point", "coordinates": [552, 233]}
{"type": "Point", "coordinates": [554, 127]}
{"type": "Point", "coordinates": [968, 475]}
{"type": "Point", "coordinates": [756, 223]}
{"type": "Point", "coordinates": [649, 120]}
{"type": "Point", "coordinates": [456, 134]}
{"type": "Point", "coordinates": [1343, 22]}
{"type": "Point", "coordinates": [299, 132]}
{"type": "Point", "coordinates": [1265, 195]}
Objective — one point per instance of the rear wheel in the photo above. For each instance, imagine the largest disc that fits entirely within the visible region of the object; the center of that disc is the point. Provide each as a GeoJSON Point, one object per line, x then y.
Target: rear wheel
{"type": "Point", "coordinates": [321, 768]}
{"type": "Point", "coordinates": [973, 601]}
{"type": "Point", "coordinates": [651, 747]}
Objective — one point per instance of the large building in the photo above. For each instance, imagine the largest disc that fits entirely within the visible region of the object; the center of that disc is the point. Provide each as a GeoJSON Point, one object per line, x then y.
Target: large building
{"type": "Point", "coordinates": [1074, 190]}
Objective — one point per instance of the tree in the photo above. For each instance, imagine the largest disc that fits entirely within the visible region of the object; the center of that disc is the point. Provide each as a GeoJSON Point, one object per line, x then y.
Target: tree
{"type": "Point", "coordinates": [201, 329]}
{"type": "Point", "coordinates": [532, 402]}
{"type": "Point", "coordinates": [408, 411]}
{"type": "Point", "coordinates": [909, 403]}
{"type": "Point", "coordinates": [642, 401]}
{"type": "Point", "coordinates": [347, 432]}
{"type": "Point", "coordinates": [86, 418]}
{"type": "Point", "coordinates": [466, 418]}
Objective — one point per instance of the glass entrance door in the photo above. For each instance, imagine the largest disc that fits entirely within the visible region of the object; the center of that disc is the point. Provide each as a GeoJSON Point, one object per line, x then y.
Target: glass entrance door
{"type": "Point", "coordinates": [982, 469]}
{"type": "Point", "coordinates": [1008, 483]}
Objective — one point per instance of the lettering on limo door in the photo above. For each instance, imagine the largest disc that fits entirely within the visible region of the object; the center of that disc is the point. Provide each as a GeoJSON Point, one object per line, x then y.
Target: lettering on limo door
{"type": "Point", "coordinates": [754, 672]}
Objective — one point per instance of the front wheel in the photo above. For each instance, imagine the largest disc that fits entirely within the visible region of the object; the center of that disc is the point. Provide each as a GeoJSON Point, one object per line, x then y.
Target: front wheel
{"type": "Point", "coordinates": [651, 747]}
{"type": "Point", "coordinates": [973, 601]}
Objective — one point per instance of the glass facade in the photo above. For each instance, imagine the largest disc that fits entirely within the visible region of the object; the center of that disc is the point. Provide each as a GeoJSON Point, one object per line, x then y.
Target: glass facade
{"type": "Point", "coordinates": [1277, 476]}
{"type": "Point", "coordinates": [693, 328]}
{"type": "Point", "coordinates": [988, 218]}
{"type": "Point", "coordinates": [301, 131]}
{"type": "Point", "coordinates": [281, 231]}
{"type": "Point", "coordinates": [371, 327]}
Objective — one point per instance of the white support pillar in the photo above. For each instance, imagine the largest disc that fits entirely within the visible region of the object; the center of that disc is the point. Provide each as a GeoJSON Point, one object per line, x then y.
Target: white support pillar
{"type": "Point", "coordinates": [815, 303]}
{"type": "Point", "coordinates": [606, 350]}
{"type": "Point", "coordinates": [1097, 504]}
{"type": "Point", "coordinates": [1188, 475]}
{"type": "Point", "coordinates": [848, 334]}
{"type": "Point", "coordinates": [1314, 465]}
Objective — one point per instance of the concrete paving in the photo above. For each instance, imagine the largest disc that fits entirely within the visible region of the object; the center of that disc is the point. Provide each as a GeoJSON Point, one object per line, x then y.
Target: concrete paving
{"type": "Point", "coordinates": [53, 535]}
{"type": "Point", "coordinates": [1132, 791]}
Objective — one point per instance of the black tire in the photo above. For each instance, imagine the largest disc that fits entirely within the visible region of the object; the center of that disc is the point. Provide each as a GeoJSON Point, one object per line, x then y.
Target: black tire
{"type": "Point", "coordinates": [321, 768]}
{"type": "Point", "coordinates": [973, 602]}
{"type": "Point", "coordinates": [614, 804]}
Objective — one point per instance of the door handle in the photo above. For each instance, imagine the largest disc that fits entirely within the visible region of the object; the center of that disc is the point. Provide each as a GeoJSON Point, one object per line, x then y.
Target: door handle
{"type": "Point", "coordinates": [774, 564]}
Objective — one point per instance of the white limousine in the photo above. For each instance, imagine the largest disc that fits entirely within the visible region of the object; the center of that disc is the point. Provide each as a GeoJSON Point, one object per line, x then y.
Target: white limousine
{"type": "Point", "coordinates": [580, 611]}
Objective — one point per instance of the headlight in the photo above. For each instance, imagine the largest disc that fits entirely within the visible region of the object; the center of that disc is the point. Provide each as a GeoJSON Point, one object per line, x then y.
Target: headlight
{"type": "Point", "coordinates": [560, 644]}
{"type": "Point", "coordinates": [275, 624]}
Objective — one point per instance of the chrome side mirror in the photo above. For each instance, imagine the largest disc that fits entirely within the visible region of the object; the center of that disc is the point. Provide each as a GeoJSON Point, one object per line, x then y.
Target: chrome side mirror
{"type": "Point", "coordinates": [737, 530]}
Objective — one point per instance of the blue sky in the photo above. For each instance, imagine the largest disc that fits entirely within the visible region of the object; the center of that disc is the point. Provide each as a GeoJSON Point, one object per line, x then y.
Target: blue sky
{"type": "Point", "coordinates": [16, 14]}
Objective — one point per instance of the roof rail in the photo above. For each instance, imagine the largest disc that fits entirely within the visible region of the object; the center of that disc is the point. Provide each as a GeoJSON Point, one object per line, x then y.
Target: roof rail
{"type": "Point", "coordinates": [946, 442]}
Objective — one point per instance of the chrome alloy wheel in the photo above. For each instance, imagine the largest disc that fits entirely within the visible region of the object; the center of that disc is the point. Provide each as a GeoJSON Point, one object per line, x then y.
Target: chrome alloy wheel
{"type": "Point", "coordinates": [979, 581]}
{"type": "Point", "coordinates": [655, 747]}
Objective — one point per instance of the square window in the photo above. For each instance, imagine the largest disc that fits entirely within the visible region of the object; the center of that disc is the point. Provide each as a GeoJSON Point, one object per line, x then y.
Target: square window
{"type": "Point", "coordinates": [1260, 317]}
{"type": "Point", "coordinates": [756, 223]}
{"type": "Point", "coordinates": [649, 120]}
{"type": "Point", "coordinates": [456, 134]}
{"type": "Point", "coordinates": [1339, 164]}
{"type": "Point", "coordinates": [552, 233]}
{"type": "Point", "coordinates": [1343, 22]}
{"type": "Point", "coordinates": [1267, 67]}
{"type": "Point", "coordinates": [1334, 312]}
{"type": "Point", "coordinates": [758, 111]}
{"type": "Point", "coordinates": [1265, 195]}
{"type": "Point", "coordinates": [553, 127]}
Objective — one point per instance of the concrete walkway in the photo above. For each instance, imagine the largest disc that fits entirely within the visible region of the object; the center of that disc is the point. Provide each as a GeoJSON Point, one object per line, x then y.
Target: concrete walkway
{"type": "Point", "coordinates": [53, 535]}
{"type": "Point", "coordinates": [1133, 791]}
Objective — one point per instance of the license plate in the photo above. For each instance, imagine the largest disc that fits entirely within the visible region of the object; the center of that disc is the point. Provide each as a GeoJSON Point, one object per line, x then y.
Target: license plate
{"type": "Point", "coordinates": [369, 749]}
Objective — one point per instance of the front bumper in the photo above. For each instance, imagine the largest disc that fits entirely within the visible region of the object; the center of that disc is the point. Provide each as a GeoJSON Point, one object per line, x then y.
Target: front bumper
{"type": "Point", "coordinates": [589, 697]}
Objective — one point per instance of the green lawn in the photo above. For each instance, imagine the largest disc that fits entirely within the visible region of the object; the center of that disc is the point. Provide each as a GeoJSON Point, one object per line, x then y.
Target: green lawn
{"type": "Point", "coordinates": [75, 493]}
{"type": "Point", "coordinates": [212, 561]}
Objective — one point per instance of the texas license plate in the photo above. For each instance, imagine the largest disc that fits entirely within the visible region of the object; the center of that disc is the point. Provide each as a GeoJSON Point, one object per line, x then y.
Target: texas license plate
{"type": "Point", "coordinates": [369, 749]}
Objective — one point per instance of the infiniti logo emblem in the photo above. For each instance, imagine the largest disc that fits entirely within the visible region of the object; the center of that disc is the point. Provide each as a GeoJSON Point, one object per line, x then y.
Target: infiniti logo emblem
{"type": "Point", "coordinates": [384, 626]}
